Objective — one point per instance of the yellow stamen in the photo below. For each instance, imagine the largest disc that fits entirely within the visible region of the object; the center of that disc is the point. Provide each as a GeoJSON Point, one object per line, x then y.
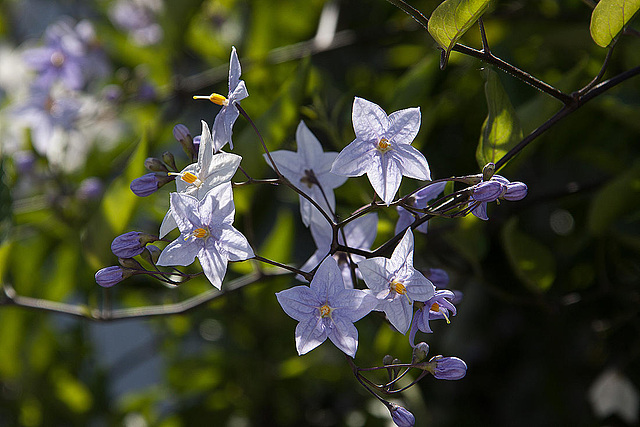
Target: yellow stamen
{"type": "Point", "coordinates": [436, 307]}
{"type": "Point", "coordinates": [325, 310]}
{"type": "Point", "coordinates": [398, 287]}
{"type": "Point", "coordinates": [383, 145]}
{"type": "Point", "coordinates": [199, 233]}
{"type": "Point", "coordinates": [188, 177]}
{"type": "Point", "coordinates": [216, 98]}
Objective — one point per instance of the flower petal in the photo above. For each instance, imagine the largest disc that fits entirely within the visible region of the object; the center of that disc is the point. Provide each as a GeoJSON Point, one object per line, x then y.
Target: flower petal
{"type": "Point", "coordinates": [214, 265]}
{"type": "Point", "coordinates": [404, 126]}
{"type": "Point", "coordinates": [344, 335]}
{"type": "Point", "coordinates": [369, 120]}
{"type": "Point", "coordinates": [179, 252]}
{"type": "Point", "coordinates": [310, 333]}
{"type": "Point", "coordinates": [299, 302]}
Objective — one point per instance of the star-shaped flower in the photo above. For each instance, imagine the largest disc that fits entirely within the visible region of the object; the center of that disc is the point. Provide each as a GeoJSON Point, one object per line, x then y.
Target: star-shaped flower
{"type": "Point", "coordinates": [309, 169]}
{"type": "Point", "coordinates": [206, 232]}
{"type": "Point", "coordinates": [198, 178]}
{"type": "Point", "coordinates": [396, 283]}
{"type": "Point", "coordinates": [223, 123]}
{"type": "Point", "coordinates": [382, 148]}
{"type": "Point", "coordinates": [326, 309]}
{"type": "Point", "coordinates": [359, 234]}
{"type": "Point", "coordinates": [418, 200]}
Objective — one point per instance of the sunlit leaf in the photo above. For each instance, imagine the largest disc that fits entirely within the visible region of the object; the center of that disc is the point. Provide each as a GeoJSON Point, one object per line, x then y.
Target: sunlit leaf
{"type": "Point", "coordinates": [74, 394]}
{"type": "Point", "coordinates": [501, 130]}
{"type": "Point", "coordinates": [452, 19]}
{"type": "Point", "coordinates": [532, 261]}
{"type": "Point", "coordinates": [618, 197]}
{"type": "Point", "coordinates": [609, 17]}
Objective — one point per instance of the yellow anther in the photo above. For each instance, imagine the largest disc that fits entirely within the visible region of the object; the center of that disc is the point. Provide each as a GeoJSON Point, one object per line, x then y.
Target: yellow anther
{"type": "Point", "coordinates": [383, 145]}
{"type": "Point", "coordinates": [188, 177]}
{"type": "Point", "coordinates": [436, 307]}
{"type": "Point", "coordinates": [398, 287]}
{"type": "Point", "coordinates": [325, 311]}
{"type": "Point", "coordinates": [216, 98]}
{"type": "Point", "coordinates": [199, 233]}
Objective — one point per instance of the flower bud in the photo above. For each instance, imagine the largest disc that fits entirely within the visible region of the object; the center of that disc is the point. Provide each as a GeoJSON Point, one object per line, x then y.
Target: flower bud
{"type": "Point", "coordinates": [109, 276]}
{"type": "Point", "coordinates": [130, 264]}
{"type": "Point", "coordinates": [401, 416]}
{"type": "Point", "coordinates": [487, 191]}
{"type": "Point", "coordinates": [181, 133]}
{"type": "Point", "coordinates": [155, 165]}
{"type": "Point", "coordinates": [151, 254]}
{"type": "Point", "coordinates": [420, 352]}
{"type": "Point", "coordinates": [438, 277]}
{"type": "Point", "coordinates": [149, 183]}
{"type": "Point", "coordinates": [515, 191]}
{"type": "Point", "coordinates": [168, 158]}
{"type": "Point", "coordinates": [130, 244]}
{"type": "Point", "coordinates": [447, 368]}
{"type": "Point", "coordinates": [387, 360]}
{"type": "Point", "coordinates": [488, 170]}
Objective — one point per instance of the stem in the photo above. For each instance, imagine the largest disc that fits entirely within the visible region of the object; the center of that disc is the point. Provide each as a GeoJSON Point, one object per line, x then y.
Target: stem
{"type": "Point", "coordinates": [307, 276]}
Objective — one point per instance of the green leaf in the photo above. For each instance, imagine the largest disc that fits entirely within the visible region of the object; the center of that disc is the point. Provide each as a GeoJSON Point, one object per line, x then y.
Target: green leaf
{"type": "Point", "coordinates": [501, 130]}
{"type": "Point", "coordinates": [452, 19]}
{"type": "Point", "coordinates": [619, 197]}
{"type": "Point", "coordinates": [609, 17]}
{"type": "Point", "coordinates": [532, 261]}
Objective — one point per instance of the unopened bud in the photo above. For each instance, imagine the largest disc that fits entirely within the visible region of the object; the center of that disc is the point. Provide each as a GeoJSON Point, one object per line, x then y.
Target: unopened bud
{"type": "Point", "coordinates": [401, 416]}
{"type": "Point", "coordinates": [488, 170]}
{"type": "Point", "coordinates": [420, 352]}
{"type": "Point", "coordinates": [109, 276]}
{"type": "Point", "coordinates": [515, 191]}
{"type": "Point", "coordinates": [181, 133]}
{"type": "Point", "coordinates": [168, 158]}
{"type": "Point", "coordinates": [130, 264]}
{"type": "Point", "coordinates": [151, 254]}
{"type": "Point", "coordinates": [149, 183]}
{"type": "Point", "coordinates": [155, 165]}
{"type": "Point", "coordinates": [447, 368]}
{"type": "Point", "coordinates": [487, 191]}
{"type": "Point", "coordinates": [130, 244]}
{"type": "Point", "coordinates": [387, 360]}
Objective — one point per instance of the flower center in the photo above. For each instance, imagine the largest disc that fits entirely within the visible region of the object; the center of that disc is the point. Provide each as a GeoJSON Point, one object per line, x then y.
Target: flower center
{"type": "Point", "coordinates": [383, 145]}
{"type": "Point", "coordinates": [397, 287]}
{"type": "Point", "coordinates": [198, 233]}
{"type": "Point", "coordinates": [57, 59]}
{"type": "Point", "coordinates": [309, 178]}
{"type": "Point", "coordinates": [216, 98]}
{"type": "Point", "coordinates": [436, 307]}
{"type": "Point", "coordinates": [189, 178]}
{"type": "Point", "coordinates": [325, 311]}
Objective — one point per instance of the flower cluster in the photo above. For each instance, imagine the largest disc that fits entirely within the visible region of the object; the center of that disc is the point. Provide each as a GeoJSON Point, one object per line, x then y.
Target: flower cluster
{"type": "Point", "coordinates": [347, 279]}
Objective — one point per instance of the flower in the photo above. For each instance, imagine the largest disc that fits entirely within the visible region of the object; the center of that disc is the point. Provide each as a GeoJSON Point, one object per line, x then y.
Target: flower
{"type": "Point", "coordinates": [382, 148]}
{"type": "Point", "coordinates": [358, 234]}
{"type": "Point", "coordinates": [198, 178]}
{"type": "Point", "coordinates": [439, 306]}
{"type": "Point", "coordinates": [109, 276]}
{"type": "Point", "coordinates": [149, 183]}
{"type": "Point", "coordinates": [309, 169]}
{"type": "Point", "coordinates": [206, 232]}
{"type": "Point", "coordinates": [418, 200]}
{"type": "Point", "coordinates": [139, 18]}
{"type": "Point", "coordinates": [223, 123]}
{"type": "Point", "coordinates": [396, 283]}
{"type": "Point", "coordinates": [326, 309]}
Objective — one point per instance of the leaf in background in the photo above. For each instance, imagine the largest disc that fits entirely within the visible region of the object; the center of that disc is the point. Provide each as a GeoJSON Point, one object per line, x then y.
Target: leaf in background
{"type": "Point", "coordinates": [618, 197]}
{"type": "Point", "coordinates": [119, 201]}
{"type": "Point", "coordinates": [452, 19]}
{"type": "Point", "coordinates": [532, 262]}
{"type": "Point", "coordinates": [501, 130]}
{"type": "Point", "coordinates": [609, 17]}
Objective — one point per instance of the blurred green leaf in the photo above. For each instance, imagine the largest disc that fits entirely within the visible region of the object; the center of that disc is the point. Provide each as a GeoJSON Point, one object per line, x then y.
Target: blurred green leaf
{"type": "Point", "coordinates": [618, 197]}
{"type": "Point", "coordinates": [279, 243]}
{"type": "Point", "coordinates": [72, 392]}
{"type": "Point", "coordinates": [532, 261]}
{"type": "Point", "coordinates": [501, 130]}
{"type": "Point", "coordinates": [119, 201]}
{"type": "Point", "coordinates": [609, 17]}
{"type": "Point", "coordinates": [452, 19]}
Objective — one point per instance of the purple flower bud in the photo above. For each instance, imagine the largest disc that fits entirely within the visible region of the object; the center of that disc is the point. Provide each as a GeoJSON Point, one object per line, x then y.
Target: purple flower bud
{"type": "Point", "coordinates": [151, 254]}
{"type": "Point", "coordinates": [155, 165]}
{"type": "Point", "coordinates": [515, 191]}
{"type": "Point", "coordinates": [448, 368]}
{"type": "Point", "coordinates": [109, 276]}
{"type": "Point", "coordinates": [131, 244]}
{"type": "Point", "coordinates": [90, 189]}
{"type": "Point", "coordinates": [487, 191]}
{"type": "Point", "coordinates": [438, 277]}
{"type": "Point", "coordinates": [181, 133]}
{"type": "Point", "coordinates": [401, 416]}
{"type": "Point", "coordinates": [149, 183]}
{"type": "Point", "coordinates": [168, 158]}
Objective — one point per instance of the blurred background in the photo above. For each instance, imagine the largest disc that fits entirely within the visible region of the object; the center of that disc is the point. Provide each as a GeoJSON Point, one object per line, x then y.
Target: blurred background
{"type": "Point", "coordinates": [548, 324]}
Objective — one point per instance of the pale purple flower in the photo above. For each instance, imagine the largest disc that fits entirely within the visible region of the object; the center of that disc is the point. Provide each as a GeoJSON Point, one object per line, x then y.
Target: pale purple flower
{"type": "Point", "coordinates": [358, 234]}
{"type": "Point", "coordinates": [382, 148]}
{"type": "Point", "coordinates": [139, 18]}
{"type": "Point", "coordinates": [439, 306]}
{"type": "Point", "coordinates": [418, 200]}
{"type": "Point", "coordinates": [309, 169]}
{"type": "Point", "coordinates": [206, 232]}
{"type": "Point", "coordinates": [396, 284]}
{"type": "Point", "coordinates": [326, 309]}
{"type": "Point", "coordinates": [223, 123]}
{"type": "Point", "coordinates": [198, 178]}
